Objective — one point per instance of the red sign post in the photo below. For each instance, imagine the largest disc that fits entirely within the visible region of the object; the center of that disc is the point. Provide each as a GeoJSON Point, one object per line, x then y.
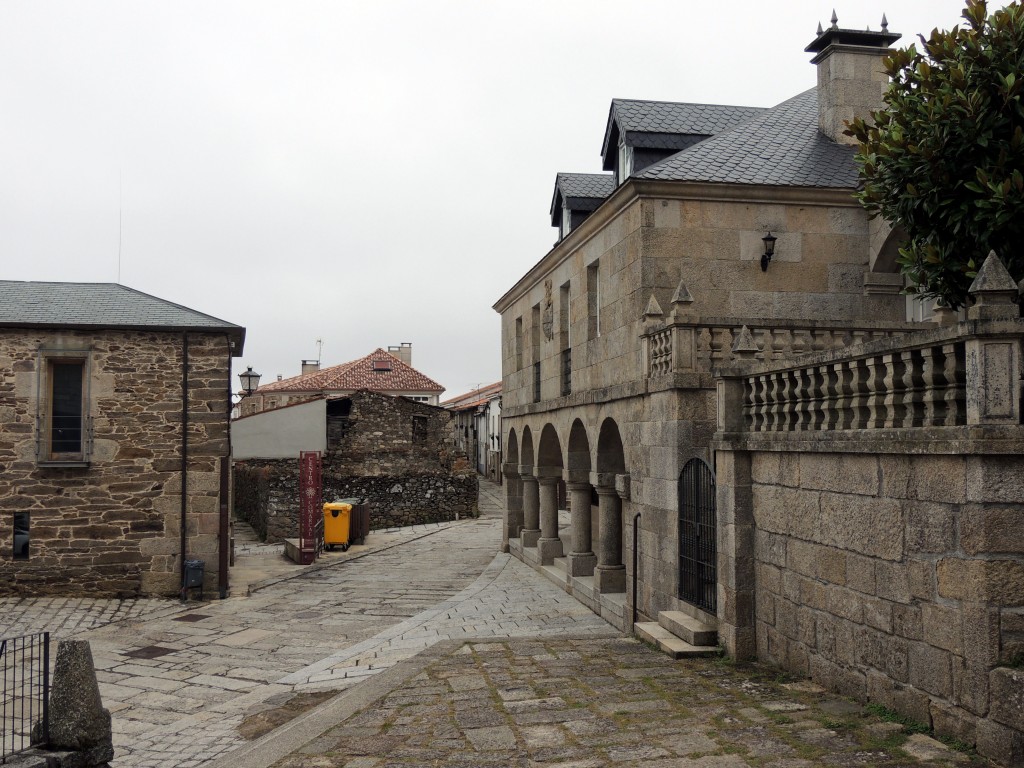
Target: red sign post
{"type": "Point", "coordinates": [311, 515]}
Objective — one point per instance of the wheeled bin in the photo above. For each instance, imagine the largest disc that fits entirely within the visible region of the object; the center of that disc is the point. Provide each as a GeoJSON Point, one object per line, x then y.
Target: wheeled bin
{"type": "Point", "coordinates": [359, 528]}
{"type": "Point", "coordinates": [337, 520]}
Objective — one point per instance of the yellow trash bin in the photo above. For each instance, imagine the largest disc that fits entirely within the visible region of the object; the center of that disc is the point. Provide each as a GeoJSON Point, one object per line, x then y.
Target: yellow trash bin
{"type": "Point", "coordinates": [337, 517]}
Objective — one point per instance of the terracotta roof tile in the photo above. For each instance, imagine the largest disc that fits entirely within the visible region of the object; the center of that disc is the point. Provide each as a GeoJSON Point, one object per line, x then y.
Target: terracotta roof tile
{"type": "Point", "coordinates": [474, 398]}
{"type": "Point", "coordinates": [359, 374]}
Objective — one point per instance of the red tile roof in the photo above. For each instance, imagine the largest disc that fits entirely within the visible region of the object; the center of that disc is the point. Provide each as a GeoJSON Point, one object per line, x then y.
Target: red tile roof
{"type": "Point", "coordinates": [359, 374]}
{"type": "Point", "coordinates": [473, 399]}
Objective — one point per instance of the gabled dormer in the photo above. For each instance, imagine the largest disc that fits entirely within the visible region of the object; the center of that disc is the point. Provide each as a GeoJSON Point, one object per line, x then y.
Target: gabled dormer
{"type": "Point", "coordinates": [576, 196]}
{"type": "Point", "coordinates": [641, 133]}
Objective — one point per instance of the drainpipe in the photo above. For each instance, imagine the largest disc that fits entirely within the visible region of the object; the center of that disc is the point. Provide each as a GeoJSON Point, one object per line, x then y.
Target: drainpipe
{"type": "Point", "coordinates": [225, 472]}
{"type": "Point", "coordinates": [184, 454]}
{"type": "Point", "coordinates": [636, 560]}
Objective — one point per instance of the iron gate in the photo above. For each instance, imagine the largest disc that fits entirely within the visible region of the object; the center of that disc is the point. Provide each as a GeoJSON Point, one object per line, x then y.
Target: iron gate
{"type": "Point", "coordinates": [697, 550]}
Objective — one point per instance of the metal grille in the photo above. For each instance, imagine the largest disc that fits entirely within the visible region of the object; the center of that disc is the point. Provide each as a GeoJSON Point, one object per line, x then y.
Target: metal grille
{"type": "Point", "coordinates": [566, 372]}
{"type": "Point", "coordinates": [536, 382]}
{"type": "Point", "coordinates": [24, 702]}
{"type": "Point", "coordinates": [697, 550]}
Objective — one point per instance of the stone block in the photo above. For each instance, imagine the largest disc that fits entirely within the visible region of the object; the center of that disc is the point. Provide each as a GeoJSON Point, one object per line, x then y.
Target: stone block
{"type": "Point", "coordinates": [938, 478]}
{"type": "Point", "coordinates": [846, 604]}
{"type": "Point", "coordinates": [871, 526]}
{"type": "Point", "coordinates": [78, 720]}
{"type": "Point", "coordinates": [952, 721]}
{"type": "Point", "coordinates": [996, 581]}
{"type": "Point", "coordinates": [860, 573]}
{"type": "Point", "coordinates": [839, 473]}
{"type": "Point", "coordinates": [942, 627]}
{"type": "Point", "coordinates": [1007, 697]}
{"type": "Point", "coordinates": [770, 547]}
{"type": "Point", "coordinates": [892, 582]}
{"type": "Point", "coordinates": [921, 579]}
{"type": "Point", "coordinates": [878, 614]}
{"type": "Point", "coordinates": [931, 527]}
{"type": "Point", "coordinates": [897, 663]}
{"type": "Point", "coordinates": [970, 686]}
{"type": "Point", "coordinates": [995, 479]}
{"type": "Point", "coordinates": [582, 564]}
{"type": "Point", "coordinates": [816, 561]}
{"type": "Point", "coordinates": [1000, 743]}
{"type": "Point", "coordinates": [610, 579]}
{"type": "Point", "coordinates": [992, 529]}
{"type": "Point", "coordinates": [930, 669]}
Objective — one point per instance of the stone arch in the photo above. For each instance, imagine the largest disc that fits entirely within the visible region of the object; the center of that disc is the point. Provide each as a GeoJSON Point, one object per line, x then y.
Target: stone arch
{"type": "Point", "coordinates": [885, 247]}
{"type": "Point", "coordinates": [579, 448]}
{"type": "Point", "coordinates": [512, 447]}
{"type": "Point", "coordinates": [526, 455]}
{"type": "Point", "coordinates": [610, 455]}
{"type": "Point", "coordinates": [549, 450]}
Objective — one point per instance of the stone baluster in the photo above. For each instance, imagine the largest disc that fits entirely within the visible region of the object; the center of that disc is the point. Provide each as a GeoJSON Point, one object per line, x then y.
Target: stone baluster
{"type": "Point", "coordinates": [802, 405]}
{"type": "Point", "coordinates": [704, 345]}
{"type": "Point", "coordinates": [895, 407]}
{"type": "Point", "coordinates": [782, 388]}
{"type": "Point", "coordinates": [859, 400]}
{"type": "Point", "coordinates": [934, 383]}
{"type": "Point", "coordinates": [582, 559]}
{"type": "Point", "coordinates": [875, 392]}
{"type": "Point", "coordinates": [913, 404]}
{"type": "Point", "coordinates": [820, 393]}
{"type": "Point", "coordinates": [955, 375]}
{"type": "Point", "coordinates": [844, 394]}
{"type": "Point", "coordinates": [832, 394]}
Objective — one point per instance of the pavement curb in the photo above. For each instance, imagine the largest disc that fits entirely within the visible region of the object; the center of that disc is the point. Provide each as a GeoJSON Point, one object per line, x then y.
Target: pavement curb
{"type": "Point", "coordinates": [295, 734]}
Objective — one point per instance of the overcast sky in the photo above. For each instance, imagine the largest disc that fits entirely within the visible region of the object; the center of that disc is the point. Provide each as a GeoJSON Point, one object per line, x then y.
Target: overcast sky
{"type": "Point", "coordinates": [365, 173]}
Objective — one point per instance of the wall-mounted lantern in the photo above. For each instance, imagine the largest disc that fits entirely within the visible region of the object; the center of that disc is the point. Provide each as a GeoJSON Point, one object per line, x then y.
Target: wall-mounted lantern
{"type": "Point", "coordinates": [769, 250]}
{"type": "Point", "coordinates": [250, 381]}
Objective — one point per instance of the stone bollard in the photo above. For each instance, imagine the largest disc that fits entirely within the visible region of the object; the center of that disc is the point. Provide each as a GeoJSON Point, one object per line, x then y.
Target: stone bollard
{"type": "Point", "coordinates": [78, 721]}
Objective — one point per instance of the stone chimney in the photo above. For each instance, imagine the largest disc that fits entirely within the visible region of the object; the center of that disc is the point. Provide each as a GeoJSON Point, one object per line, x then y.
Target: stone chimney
{"type": "Point", "coordinates": [851, 79]}
{"type": "Point", "coordinates": [402, 351]}
{"type": "Point", "coordinates": [310, 366]}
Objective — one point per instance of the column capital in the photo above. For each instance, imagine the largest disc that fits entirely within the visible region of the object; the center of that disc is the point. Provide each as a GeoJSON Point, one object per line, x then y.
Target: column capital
{"type": "Point", "coordinates": [526, 472]}
{"type": "Point", "coordinates": [607, 490]}
{"type": "Point", "coordinates": [510, 471]}
{"type": "Point", "coordinates": [575, 486]}
{"type": "Point", "coordinates": [548, 480]}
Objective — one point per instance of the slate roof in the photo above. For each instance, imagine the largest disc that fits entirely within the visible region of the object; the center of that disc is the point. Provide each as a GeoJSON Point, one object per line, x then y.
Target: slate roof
{"type": "Point", "coordinates": [87, 306]}
{"type": "Point", "coordinates": [780, 146]}
{"type": "Point", "coordinates": [473, 399]}
{"type": "Point", "coordinates": [669, 124]}
{"type": "Point", "coordinates": [581, 191]}
{"type": "Point", "coordinates": [359, 374]}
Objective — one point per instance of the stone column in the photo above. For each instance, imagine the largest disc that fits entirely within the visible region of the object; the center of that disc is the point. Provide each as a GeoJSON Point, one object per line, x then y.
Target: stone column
{"type": "Point", "coordinates": [582, 559]}
{"type": "Point", "coordinates": [735, 547]}
{"type": "Point", "coordinates": [549, 545]}
{"type": "Point", "coordinates": [610, 574]}
{"type": "Point", "coordinates": [531, 507]}
{"type": "Point", "coordinates": [513, 522]}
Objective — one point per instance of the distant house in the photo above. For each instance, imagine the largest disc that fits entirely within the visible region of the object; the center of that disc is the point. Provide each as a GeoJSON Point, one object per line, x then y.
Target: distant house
{"type": "Point", "coordinates": [111, 402]}
{"type": "Point", "coordinates": [388, 372]}
{"type": "Point", "coordinates": [476, 428]}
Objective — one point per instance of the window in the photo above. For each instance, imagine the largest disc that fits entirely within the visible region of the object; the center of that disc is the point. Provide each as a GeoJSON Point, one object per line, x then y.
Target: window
{"type": "Point", "coordinates": [63, 435]}
{"type": "Point", "coordinates": [594, 300]}
{"type": "Point", "coordinates": [519, 343]}
{"type": "Point", "coordinates": [21, 536]}
{"type": "Point", "coordinates": [535, 334]}
{"type": "Point", "coordinates": [565, 336]}
{"type": "Point", "coordinates": [625, 164]}
{"type": "Point", "coordinates": [566, 221]}
{"type": "Point", "coordinates": [339, 419]}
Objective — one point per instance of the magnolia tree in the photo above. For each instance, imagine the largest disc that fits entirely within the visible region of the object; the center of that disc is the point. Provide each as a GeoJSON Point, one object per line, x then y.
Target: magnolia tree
{"type": "Point", "coordinates": [945, 158]}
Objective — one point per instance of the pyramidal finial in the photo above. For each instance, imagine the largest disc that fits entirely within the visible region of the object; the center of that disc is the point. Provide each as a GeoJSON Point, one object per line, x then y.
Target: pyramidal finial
{"type": "Point", "coordinates": [992, 277]}
{"type": "Point", "coordinates": [820, 30]}
{"type": "Point", "coordinates": [653, 308]}
{"type": "Point", "coordinates": [994, 292]}
{"type": "Point", "coordinates": [885, 23]}
{"type": "Point", "coordinates": [744, 346]}
{"type": "Point", "coordinates": [682, 294]}
{"type": "Point", "coordinates": [835, 20]}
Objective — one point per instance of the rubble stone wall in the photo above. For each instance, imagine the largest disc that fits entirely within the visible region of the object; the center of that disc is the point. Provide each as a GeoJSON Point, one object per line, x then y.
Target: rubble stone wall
{"type": "Point", "coordinates": [111, 527]}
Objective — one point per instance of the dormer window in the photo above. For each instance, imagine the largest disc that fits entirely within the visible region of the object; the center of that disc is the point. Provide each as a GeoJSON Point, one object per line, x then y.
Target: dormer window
{"type": "Point", "coordinates": [625, 165]}
{"type": "Point", "coordinates": [382, 365]}
{"type": "Point", "coordinates": [566, 222]}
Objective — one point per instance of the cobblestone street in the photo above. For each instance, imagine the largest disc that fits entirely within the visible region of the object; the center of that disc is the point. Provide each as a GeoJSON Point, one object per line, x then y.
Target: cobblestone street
{"type": "Point", "coordinates": [445, 654]}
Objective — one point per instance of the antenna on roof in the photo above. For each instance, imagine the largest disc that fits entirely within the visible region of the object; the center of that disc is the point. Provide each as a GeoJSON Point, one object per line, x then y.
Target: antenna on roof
{"type": "Point", "coordinates": [319, 349]}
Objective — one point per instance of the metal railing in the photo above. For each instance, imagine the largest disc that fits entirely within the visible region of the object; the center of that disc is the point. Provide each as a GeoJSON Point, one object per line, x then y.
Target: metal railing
{"type": "Point", "coordinates": [566, 372]}
{"type": "Point", "coordinates": [24, 702]}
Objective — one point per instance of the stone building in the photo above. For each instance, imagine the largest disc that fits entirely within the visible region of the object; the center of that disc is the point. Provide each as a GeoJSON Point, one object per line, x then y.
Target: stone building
{"type": "Point", "coordinates": [476, 428]}
{"type": "Point", "coordinates": [112, 401]}
{"type": "Point", "coordinates": [723, 489]}
{"type": "Point", "coordinates": [387, 371]}
{"type": "Point", "coordinates": [393, 451]}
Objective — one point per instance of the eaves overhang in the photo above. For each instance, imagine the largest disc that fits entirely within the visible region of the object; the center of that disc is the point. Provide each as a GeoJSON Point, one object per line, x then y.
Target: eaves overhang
{"type": "Point", "coordinates": [235, 333]}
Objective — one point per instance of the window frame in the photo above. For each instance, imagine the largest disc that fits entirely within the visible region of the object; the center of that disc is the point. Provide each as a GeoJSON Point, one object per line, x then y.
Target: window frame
{"type": "Point", "coordinates": [47, 359]}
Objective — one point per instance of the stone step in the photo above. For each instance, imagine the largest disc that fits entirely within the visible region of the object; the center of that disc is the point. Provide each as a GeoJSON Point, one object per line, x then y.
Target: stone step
{"type": "Point", "coordinates": [654, 633]}
{"type": "Point", "coordinates": [688, 628]}
{"type": "Point", "coordinates": [562, 563]}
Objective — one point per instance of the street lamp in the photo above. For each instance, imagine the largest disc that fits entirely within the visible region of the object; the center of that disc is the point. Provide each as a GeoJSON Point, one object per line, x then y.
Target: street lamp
{"type": "Point", "coordinates": [250, 381]}
{"type": "Point", "coordinates": [769, 250]}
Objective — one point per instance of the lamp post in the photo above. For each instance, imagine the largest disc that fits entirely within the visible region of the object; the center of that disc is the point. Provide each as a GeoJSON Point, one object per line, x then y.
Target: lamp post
{"type": "Point", "coordinates": [769, 250]}
{"type": "Point", "coordinates": [250, 381]}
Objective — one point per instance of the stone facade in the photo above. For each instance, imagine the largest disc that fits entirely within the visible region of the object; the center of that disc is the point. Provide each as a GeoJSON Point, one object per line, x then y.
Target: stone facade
{"type": "Point", "coordinates": [870, 521]}
{"type": "Point", "coordinates": [395, 452]}
{"type": "Point", "coordinates": [110, 525]}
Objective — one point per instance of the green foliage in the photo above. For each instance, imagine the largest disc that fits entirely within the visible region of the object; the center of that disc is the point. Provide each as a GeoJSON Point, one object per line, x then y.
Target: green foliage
{"type": "Point", "coordinates": [945, 158]}
{"type": "Point", "coordinates": [892, 716]}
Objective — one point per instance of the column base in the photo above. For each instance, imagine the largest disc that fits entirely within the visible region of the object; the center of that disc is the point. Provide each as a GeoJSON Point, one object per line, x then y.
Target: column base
{"type": "Point", "coordinates": [549, 549]}
{"type": "Point", "coordinates": [582, 563]}
{"type": "Point", "coordinates": [529, 537]}
{"type": "Point", "coordinates": [610, 578]}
